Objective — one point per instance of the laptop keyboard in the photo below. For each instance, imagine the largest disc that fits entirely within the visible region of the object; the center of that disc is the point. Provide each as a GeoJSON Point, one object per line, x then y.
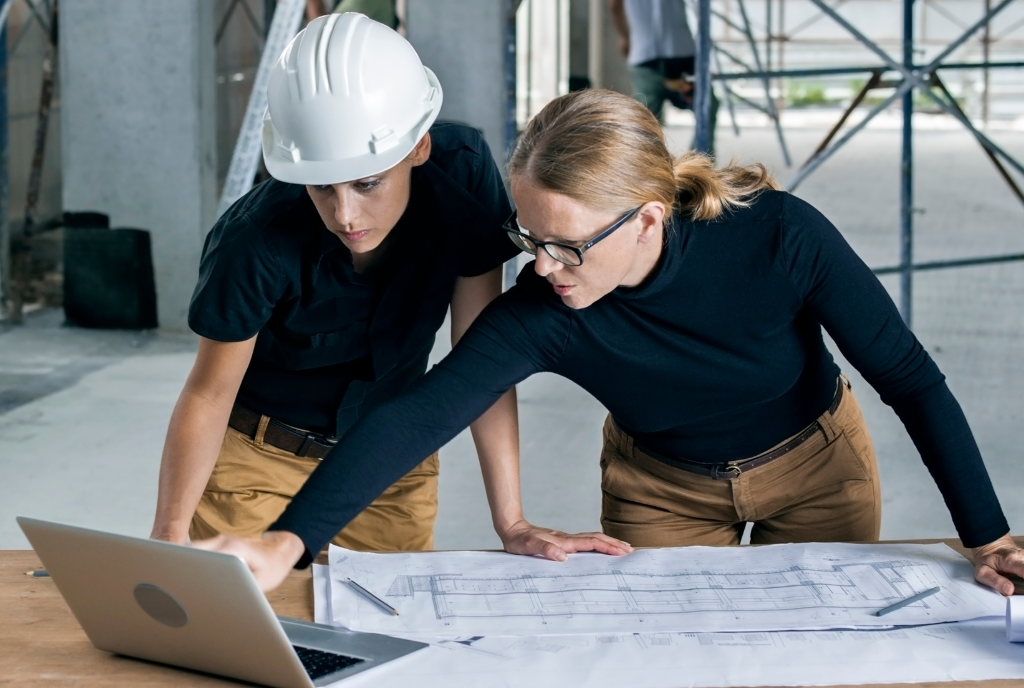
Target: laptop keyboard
{"type": "Point", "coordinates": [319, 664]}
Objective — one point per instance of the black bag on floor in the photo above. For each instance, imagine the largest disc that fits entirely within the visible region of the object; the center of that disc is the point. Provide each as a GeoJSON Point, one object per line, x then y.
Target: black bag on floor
{"type": "Point", "coordinates": [108, 274]}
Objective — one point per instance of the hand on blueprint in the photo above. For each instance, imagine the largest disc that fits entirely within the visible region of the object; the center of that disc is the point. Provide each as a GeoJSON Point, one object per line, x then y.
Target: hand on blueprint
{"type": "Point", "coordinates": [270, 558]}
{"type": "Point", "coordinates": [994, 561]}
{"type": "Point", "coordinates": [523, 537]}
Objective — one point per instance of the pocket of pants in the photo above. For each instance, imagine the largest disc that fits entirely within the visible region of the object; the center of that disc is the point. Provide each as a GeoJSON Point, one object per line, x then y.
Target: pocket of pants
{"type": "Point", "coordinates": [613, 480]}
{"type": "Point", "coordinates": [790, 479]}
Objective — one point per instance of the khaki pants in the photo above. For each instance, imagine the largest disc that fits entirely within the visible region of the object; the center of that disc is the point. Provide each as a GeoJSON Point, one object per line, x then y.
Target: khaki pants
{"type": "Point", "coordinates": [824, 490]}
{"type": "Point", "coordinates": [253, 482]}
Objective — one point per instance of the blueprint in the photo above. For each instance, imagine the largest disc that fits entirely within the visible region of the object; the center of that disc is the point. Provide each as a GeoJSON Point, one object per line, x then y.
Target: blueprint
{"type": "Point", "coordinates": [689, 589]}
{"type": "Point", "coordinates": [972, 650]}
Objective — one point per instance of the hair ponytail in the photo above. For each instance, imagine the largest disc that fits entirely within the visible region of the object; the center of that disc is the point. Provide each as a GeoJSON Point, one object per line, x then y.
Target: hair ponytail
{"type": "Point", "coordinates": [608, 152]}
{"type": "Point", "coordinates": [705, 192]}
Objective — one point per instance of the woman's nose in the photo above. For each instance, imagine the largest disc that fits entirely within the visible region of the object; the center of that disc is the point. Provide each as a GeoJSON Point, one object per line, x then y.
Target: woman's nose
{"type": "Point", "coordinates": [345, 211]}
{"type": "Point", "coordinates": [545, 264]}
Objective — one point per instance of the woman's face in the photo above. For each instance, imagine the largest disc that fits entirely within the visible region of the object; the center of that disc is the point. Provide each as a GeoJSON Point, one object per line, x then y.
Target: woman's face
{"type": "Point", "coordinates": [363, 212]}
{"type": "Point", "coordinates": [624, 258]}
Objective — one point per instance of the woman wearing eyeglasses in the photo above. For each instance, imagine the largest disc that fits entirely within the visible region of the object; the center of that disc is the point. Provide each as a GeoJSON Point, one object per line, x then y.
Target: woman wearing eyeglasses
{"type": "Point", "coordinates": [690, 302]}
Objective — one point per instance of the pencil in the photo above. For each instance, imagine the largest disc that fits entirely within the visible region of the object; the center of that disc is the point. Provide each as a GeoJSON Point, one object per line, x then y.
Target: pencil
{"type": "Point", "coordinates": [38, 573]}
{"type": "Point", "coordinates": [910, 600]}
{"type": "Point", "coordinates": [371, 597]}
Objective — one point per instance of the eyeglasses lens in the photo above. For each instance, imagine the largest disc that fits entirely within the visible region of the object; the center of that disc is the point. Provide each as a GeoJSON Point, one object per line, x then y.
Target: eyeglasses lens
{"type": "Point", "coordinates": [563, 254]}
{"type": "Point", "coordinates": [523, 242]}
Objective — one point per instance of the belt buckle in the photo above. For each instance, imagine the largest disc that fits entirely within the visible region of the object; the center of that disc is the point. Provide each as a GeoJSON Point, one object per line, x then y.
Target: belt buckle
{"type": "Point", "coordinates": [312, 439]}
{"type": "Point", "coordinates": [731, 471]}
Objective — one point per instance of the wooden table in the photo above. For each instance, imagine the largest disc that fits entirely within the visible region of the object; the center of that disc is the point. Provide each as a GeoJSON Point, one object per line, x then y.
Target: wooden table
{"type": "Point", "coordinates": [41, 644]}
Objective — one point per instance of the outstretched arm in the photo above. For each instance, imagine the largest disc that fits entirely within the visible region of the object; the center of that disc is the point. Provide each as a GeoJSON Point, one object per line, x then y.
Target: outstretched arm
{"type": "Point", "coordinates": [496, 435]}
{"type": "Point", "coordinates": [510, 341]}
{"type": "Point", "coordinates": [856, 310]}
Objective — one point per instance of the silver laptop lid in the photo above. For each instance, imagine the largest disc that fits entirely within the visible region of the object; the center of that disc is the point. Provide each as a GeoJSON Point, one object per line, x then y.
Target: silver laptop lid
{"type": "Point", "coordinates": [167, 603]}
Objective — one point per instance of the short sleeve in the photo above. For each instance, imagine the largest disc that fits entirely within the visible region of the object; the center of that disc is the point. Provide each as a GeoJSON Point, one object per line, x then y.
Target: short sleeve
{"type": "Point", "coordinates": [487, 245]}
{"type": "Point", "coordinates": [240, 282]}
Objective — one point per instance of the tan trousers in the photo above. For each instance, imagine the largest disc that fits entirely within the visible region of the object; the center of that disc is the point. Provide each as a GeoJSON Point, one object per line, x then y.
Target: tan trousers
{"type": "Point", "coordinates": [253, 482]}
{"type": "Point", "coordinates": [824, 490]}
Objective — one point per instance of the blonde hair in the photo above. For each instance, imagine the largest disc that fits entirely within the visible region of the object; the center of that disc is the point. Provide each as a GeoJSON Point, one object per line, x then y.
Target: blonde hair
{"type": "Point", "coordinates": [608, 152]}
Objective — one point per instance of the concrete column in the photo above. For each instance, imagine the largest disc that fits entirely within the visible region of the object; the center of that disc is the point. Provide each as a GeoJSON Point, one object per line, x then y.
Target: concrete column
{"type": "Point", "coordinates": [463, 42]}
{"type": "Point", "coordinates": [607, 67]}
{"type": "Point", "coordinates": [138, 128]}
{"type": "Point", "coordinates": [579, 48]}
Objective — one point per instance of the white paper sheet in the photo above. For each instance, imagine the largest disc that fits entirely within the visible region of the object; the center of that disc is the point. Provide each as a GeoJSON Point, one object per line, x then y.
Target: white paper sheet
{"type": "Point", "coordinates": [1015, 619]}
{"type": "Point", "coordinates": [322, 594]}
{"type": "Point", "coordinates": [968, 651]}
{"type": "Point", "coordinates": [689, 589]}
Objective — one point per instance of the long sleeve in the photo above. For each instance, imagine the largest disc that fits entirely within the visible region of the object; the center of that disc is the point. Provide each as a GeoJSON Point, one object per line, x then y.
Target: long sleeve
{"type": "Point", "coordinates": [851, 304]}
{"type": "Point", "coordinates": [511, 340]}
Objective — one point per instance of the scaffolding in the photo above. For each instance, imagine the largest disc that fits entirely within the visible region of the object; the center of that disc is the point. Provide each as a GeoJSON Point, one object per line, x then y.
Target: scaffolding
{"type": "Point", "coordinates": [907, 77]}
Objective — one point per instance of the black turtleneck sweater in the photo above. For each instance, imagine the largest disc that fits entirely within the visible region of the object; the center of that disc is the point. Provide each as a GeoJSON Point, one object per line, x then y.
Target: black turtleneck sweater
{"type": "Point", "coordinates": [717, 356]}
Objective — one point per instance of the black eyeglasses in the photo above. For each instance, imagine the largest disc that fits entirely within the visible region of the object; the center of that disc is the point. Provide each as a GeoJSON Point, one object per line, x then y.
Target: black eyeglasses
{"type": "Point", "coordinates": [563, 253]}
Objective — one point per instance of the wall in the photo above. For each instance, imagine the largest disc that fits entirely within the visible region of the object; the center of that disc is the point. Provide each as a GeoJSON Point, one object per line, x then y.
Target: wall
{"type": "Point", "coordinates": [138, 128]}
{"type": "Point", "coordinates": [463, 42]}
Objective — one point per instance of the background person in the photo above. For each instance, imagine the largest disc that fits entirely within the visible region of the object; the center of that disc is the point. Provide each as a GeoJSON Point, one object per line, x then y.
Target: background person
{"type": "Point", "coordinates": [320, 291]}
{"type": "Point", "coordinates": [655, 39]}
{"type": "Point", "coordinates": [690, 302]}
{"type": "Point", "coordinates": [382, 11]}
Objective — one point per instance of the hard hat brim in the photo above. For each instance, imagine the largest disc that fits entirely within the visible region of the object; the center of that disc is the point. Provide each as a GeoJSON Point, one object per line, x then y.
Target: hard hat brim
{"type": "Point", "coordinates": [325, 172]}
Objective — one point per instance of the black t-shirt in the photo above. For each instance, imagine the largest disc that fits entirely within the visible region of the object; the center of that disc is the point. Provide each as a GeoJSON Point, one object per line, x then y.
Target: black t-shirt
{"type": "Point", "coordinates": [332, 342]}
{"type": "Point", "coordinates": [717, 356]}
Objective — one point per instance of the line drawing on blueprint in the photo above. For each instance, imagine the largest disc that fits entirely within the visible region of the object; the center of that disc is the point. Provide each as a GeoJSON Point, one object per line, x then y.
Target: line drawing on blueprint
{"type": "Point", "coordinates": [834, 591]}
{"type": "Point", "coordinates": [776, 587]}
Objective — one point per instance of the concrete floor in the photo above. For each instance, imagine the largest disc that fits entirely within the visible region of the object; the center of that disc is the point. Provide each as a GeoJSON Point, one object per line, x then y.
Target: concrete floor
{"type": "Point", "coordinates": [83, 413]}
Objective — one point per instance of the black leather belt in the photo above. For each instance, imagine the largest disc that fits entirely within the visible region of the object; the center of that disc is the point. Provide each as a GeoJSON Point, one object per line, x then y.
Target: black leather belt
{"type": "Point", "coordinates": [280, 435]}
{"type": "Point", "coordinates": [732, 469]}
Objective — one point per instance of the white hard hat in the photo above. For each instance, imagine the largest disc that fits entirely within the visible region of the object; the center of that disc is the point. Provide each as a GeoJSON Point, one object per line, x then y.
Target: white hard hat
{"type": "Point", "coordinates": [348, 98]}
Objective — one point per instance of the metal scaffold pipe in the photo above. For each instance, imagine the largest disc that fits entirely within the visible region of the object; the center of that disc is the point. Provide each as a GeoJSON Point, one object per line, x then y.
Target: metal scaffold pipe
{"type": "Point", "coordinates": [702, 67]}
{"type": "Point", "coordinates": [907, 172]}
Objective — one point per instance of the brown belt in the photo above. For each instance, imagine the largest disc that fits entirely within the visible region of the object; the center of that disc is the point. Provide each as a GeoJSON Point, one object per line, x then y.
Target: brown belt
{"type": "Point", "coordinates": [732, 469]}
{"type": "Point", "coordinates": [277, 434]}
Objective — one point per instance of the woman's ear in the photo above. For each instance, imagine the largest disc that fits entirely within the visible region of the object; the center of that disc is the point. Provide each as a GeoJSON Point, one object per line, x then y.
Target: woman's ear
{"type": "Point", "coordinates": [421, 153]}
{"type": "Point", "coordinates": [652, 218]}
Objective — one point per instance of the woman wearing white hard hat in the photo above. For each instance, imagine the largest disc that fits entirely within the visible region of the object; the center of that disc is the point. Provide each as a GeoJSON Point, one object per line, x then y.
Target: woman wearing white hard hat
{"type": "Point", "coordinates": [320, 291]}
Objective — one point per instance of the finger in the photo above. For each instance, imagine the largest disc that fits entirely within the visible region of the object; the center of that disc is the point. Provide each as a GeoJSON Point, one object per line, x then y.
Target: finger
{"type": "Point", "coordinates": [549, 550]}
{"type": "Point", "coordinates": [213, 544]}
{"type": "Point", "coordinates": [986, 575]}
{"type": "Point", "coordinates": [579, 543]}
{"type": "Point", "coordinates": [615, 542]}
{"type": "Point", "coordinates": [534, 544]}
{"type": "Point", "coordinates": [232, 546]}
{"type": "Point", "coordinates": [1011, 562]}
{"type": "Point", "coordinates": [607, 543]}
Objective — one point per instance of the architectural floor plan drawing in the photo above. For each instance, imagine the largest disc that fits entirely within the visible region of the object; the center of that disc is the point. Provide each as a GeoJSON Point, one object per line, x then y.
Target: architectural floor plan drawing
{"type": "Point", "coordinates": [837, 590]}
{"type": "Point", "coordinates": [971, 650]}
{"type": "Point", "coordinates": [813, 586]}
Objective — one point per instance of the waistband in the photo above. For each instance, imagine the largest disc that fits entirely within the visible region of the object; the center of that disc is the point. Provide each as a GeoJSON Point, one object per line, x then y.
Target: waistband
{"type": "Point", "coordinates": [729, 470]}
{"type": "Point", "coordinates": [280, 435]}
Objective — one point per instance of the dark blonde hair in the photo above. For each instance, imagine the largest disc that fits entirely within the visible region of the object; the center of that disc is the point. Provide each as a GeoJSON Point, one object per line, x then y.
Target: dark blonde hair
{"type": "Point", "coordinates": [608, 152]}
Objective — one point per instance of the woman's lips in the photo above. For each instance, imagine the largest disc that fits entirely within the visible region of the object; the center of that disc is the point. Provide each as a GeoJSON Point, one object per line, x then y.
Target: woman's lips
{"type": "Point", "coordinates": [354, 236]}
{"type": "Point", "coordinates": [562, 289]}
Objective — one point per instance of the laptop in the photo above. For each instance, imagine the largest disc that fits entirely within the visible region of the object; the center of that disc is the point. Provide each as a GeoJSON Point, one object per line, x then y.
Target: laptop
{"type": "Point", "coordinates": [191, 608]}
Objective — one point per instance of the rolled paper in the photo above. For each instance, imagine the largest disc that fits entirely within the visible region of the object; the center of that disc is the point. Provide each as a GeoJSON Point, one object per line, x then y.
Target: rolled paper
{"type": "Point", "coordinates": [1015, 619]}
